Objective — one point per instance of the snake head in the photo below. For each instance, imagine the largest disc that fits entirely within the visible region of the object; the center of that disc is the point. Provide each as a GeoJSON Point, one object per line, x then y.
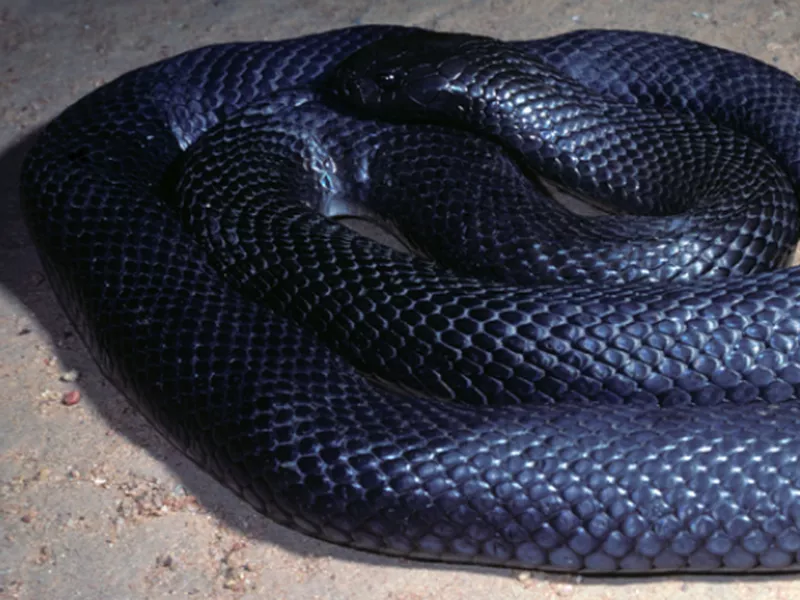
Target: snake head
{"type": "Point", "coordinates": [413, 76]}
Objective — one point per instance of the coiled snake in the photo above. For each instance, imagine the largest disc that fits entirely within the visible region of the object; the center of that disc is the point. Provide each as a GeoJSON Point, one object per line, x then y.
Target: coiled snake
{"type": "Point", "coordinates": [552, 391]}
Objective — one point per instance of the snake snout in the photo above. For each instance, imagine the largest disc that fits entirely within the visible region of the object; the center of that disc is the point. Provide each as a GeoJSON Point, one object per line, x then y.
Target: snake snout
{"type": "Point", "coordinates": [413, 77]}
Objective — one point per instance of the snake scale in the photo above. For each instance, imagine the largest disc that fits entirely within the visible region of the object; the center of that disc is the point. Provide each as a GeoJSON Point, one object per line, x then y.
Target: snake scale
{"type": "Point", "coordinates": [527, 388]}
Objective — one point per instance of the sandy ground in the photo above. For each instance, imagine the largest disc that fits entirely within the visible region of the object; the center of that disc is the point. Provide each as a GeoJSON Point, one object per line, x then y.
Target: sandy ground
{"type": "Point", "coordinates": [94, 504]}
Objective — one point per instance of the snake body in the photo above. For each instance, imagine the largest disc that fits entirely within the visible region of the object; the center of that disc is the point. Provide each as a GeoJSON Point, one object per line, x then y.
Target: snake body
{"type": "Point", "coordinates": [624, 419]}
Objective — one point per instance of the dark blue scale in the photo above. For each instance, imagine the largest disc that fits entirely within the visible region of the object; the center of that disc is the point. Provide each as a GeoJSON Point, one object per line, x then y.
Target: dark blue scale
{"type": "Point", "coordinates": [617, 393]}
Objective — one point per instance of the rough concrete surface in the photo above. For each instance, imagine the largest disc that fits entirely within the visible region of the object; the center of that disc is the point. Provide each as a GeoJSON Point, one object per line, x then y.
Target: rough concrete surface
{"type": "Point", "coordinates": [93, 503]}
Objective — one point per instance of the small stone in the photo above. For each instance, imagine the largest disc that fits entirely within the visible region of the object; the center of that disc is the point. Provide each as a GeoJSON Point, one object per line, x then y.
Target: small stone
{"type": "Point", "coordinates": [166, 561]}
{"type": "Point", "coordinates": [71, 398]}
{"type": "Point", "coordinates": [70, 376]}
{"type": "Point", "coordinates": [44, 555]}
{"type": "Point", "coordinates": [565, 589]}
{"type": "Point", "coordinates": [232, 584]}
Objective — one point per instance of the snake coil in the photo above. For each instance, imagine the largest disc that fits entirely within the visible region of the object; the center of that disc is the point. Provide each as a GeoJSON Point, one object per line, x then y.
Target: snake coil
{"type": "Point", "coordinates": [554, 392]}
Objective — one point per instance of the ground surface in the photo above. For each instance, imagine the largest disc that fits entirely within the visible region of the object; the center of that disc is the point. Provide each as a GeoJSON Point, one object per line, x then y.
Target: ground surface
{"type": "Point", "coordinates": [93, 503]}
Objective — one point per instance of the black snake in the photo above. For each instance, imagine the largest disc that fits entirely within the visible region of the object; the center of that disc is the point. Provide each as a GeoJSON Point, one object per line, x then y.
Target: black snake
{"type": "Point", "coordinates": [554, 392]}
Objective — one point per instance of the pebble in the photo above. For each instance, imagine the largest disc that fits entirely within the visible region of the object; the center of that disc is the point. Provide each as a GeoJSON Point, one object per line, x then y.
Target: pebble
{"type": "Point", "coordinates": [71, 398]}
{"type": "Point", "coordinates": [70, 376]}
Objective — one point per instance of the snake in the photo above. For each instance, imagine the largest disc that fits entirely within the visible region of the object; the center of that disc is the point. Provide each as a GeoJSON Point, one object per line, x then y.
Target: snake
{"type": "Point", "coordinates": [524, 386]}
